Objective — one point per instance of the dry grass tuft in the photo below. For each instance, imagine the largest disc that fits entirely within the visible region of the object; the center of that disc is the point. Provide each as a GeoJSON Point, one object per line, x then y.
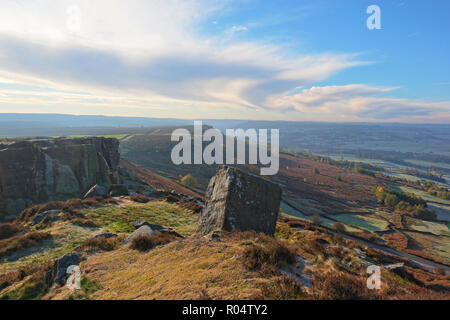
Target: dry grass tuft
{"type": "Point", "coordinates": [7, 230]}
{"type": "Point", "coordinates": [15, 276]}
{"type": "Point", "coordinates": [145, 243]}
{"type": "Point", "coordinates": [70, 206]}
{"type": "Point", "coordinates": [140, 198]}
{"type": "Point", "coordinates": [286, 288]}
{"type": "Point", "coordinates": [8, 246]}
{"type": "Point", "coordinates": [340, 286]}
{"type": "Point", "coordinates": [263, 252]}
{"type": "Point", "coordinates": [35, 285]}
{"type": "Point", "coordinates": [100, 244]}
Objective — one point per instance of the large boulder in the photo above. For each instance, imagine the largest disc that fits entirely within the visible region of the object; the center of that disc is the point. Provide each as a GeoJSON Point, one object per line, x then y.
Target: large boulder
{"type": "Point", "coordinates": [61, 265]}
{"type": "Point", "coordinates": [39, 171]}
{"type": "Point", "coordinates": [41, 216]}
{"type": "Point", "coordinates": [96, 191]}
{"type": "Point", "coordinates": [107, 235]}
{"type": "Point", "coordinates": [141, 232]}
{"type": "Point", "coordinates": [117, 190]}
{"type": "Point", "coordinates": [156, 227]}
{"type": "Point", "coordinates": [236, 200]}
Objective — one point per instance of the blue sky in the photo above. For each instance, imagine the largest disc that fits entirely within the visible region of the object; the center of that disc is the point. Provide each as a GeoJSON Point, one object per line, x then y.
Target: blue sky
{"type": "Point", "coordinates": [250, 59]}
{"type": "Point", "coordinates": [412, 49]}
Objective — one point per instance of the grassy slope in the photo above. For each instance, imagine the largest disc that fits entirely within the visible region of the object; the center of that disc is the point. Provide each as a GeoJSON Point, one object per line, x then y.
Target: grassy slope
{"type": "Point", "coordinates": [196, 268]}
{"type": "Point", "coordinates": [66, 236]}
{"type": "Point", "coordinates": [337, 192]}
{"type": "Point", "coordinates": [120, 218]}
{"type": "Point", "coordinates": [188, 269]}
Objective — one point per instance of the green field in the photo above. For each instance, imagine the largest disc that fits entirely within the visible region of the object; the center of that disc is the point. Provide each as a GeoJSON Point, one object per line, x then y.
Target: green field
{"type": "Point", "coordinates": [288, 211]}
{"type": "Point", "coordinates": [437, 247]}
{"type": "Point", "coordinates": [442, 211]}
{"type": "Point", "coordinates": [427, 226]}
{"type": "Point", "coordinates": [422, 194]}
{"type": "Point", "coordinates": [364, 222]}
{"type": "Point", "coordinates": [429, 164]}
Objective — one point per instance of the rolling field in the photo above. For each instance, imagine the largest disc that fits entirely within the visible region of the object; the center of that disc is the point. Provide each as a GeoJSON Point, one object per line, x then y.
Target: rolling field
{"type": "Point", "coordinates": [422, 194]}
{"type": "Point", "coordinates": [427, 226]}
{"type": "Point", "coordinates": [363, 222]}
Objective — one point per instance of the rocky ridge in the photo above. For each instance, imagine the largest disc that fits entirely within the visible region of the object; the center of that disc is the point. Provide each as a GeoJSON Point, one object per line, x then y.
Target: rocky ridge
{"type": "Point", "coordinates": [38, 171]}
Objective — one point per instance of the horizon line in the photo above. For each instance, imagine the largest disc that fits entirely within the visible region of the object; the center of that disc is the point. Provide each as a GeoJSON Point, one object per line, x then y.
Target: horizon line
{"type": "Point", "coordinates": [218, 119]}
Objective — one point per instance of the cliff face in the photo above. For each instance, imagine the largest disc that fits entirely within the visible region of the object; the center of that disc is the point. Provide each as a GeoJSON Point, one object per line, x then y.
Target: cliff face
{"type": "Point", "coordinates": [50, 170]}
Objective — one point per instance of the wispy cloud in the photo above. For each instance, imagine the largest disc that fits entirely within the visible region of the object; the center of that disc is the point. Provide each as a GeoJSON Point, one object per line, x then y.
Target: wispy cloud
{"type": "Point", "coordinates": [158, 53]}
{"type": "Point", "coordinates": [362, 102]}
{"type": "Point", "coordinates": [150, 55]}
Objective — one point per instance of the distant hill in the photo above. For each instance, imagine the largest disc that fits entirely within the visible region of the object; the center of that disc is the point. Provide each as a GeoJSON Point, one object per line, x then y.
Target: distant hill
{"type": "Point", "coordinates": [25, 125]}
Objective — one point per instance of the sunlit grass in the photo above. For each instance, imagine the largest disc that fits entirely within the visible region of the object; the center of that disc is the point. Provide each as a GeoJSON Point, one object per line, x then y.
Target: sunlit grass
{"type": "Point", "coordinates": [120, 218]}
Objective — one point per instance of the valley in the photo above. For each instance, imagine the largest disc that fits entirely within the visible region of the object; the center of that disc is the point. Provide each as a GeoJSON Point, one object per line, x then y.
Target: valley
{"type": "Point", "coordinates": [323, 198]}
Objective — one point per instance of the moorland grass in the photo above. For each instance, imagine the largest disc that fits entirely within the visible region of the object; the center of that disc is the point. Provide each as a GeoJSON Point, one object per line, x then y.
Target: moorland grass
{"type": "Point", "coordinates": [120, 218]}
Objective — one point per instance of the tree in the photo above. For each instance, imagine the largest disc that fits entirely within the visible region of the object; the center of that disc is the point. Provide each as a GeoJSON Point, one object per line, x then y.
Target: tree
{"type": "Point", "coordinates": [315, 219]}
{"type": "Point", "coordinates": [391, 200]}
{"type": "Point", "coordinates": [339, 227]}
{"type": "Point", "coordinates": [402, 205]}
{"type": "Point", "coordinates": [189, 181]}
{"type": "Point", "coordinates": [422, 213]}
{"type": "Point", "coordinates": [380, 193]}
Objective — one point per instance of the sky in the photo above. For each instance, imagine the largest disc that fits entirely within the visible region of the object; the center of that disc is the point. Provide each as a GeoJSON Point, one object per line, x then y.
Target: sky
{"type": "Point", "coordinates": [227, 59]}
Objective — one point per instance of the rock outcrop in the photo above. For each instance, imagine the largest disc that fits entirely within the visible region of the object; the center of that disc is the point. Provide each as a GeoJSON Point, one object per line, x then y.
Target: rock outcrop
{"type": "Point", "coordinates": [236, 200]}
{"type": "Point", "coordinates": [41, 216]}
{"type": "Point", "coordinates": [156, 227]}
{"type": "Point", "coordinates": [117, 190]}
{"type": "Point", "coordinates": [61, 265]}
{"type": "Point", "coordinates": [96, 191]}
{"type": "Point", "coordinates": [144, 231]}
{"type": "Point", "coordinates": [38, 171]}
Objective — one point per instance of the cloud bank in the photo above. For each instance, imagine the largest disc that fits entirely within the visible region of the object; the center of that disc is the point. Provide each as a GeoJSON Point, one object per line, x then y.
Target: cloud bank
{"type": "Point", "coordinates": [150, 58]}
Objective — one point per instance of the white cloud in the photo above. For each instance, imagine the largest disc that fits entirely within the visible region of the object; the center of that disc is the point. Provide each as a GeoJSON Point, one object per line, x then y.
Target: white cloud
{"type": "Point", "coordinates": [361, 102]}
{"type": "Point", "coordinates": [148, 46]}
{"type": "Point", "coordinates": [150, 55]}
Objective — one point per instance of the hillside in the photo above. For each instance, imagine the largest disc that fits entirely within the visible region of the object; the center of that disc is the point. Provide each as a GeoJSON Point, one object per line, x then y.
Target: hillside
{"type": "Point", "coordinates": [304, 261]}
{"type": "Point", "coordinates": [331, 228]}
{"type": "Point", "coordinates": [337, 191]}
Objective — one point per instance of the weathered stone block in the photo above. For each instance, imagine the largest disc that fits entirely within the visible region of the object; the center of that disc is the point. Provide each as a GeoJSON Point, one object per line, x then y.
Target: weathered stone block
{"type": "Point", "coordinates": [96, 191]}
{"type": "Point", "coordinates": [117, 190]}
{"type": "Point", "coordinates": [144, 231]}
{"type": "Point", "coordinates": [240, 201]}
